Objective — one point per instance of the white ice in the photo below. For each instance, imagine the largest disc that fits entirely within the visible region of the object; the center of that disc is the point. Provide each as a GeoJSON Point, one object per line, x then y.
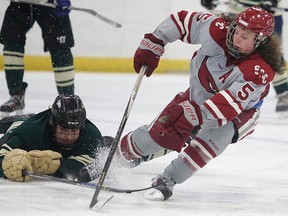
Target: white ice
{"type": "Point", "coordinates": [249, 178]}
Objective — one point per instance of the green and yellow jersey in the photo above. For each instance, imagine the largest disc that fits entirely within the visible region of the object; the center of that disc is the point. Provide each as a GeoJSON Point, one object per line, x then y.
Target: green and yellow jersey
{"type": "Point", "coordinates": [36, 133]}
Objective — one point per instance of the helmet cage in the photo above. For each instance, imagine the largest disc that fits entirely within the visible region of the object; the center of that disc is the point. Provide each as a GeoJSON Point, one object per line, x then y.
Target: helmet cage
{"type": "Point", "coordinates": [259, 39]}
{"type": "Point", "coordinates": [67, 139]}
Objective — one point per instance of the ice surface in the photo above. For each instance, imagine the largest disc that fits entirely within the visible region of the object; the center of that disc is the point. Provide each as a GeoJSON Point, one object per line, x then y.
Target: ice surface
{"type": "Point", "coordinates": [249, 178]}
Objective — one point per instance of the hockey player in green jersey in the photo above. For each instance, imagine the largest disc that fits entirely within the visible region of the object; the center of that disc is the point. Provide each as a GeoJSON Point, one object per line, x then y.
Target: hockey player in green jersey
{"type": "Point", "coordinates": [58, 141]}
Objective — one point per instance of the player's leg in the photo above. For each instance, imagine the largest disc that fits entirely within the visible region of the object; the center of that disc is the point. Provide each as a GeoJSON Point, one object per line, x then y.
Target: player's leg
{"type": "Point", "coordinates": [16, 23]}
{"type": "Point", "coordinates": [280, 82]}
{"type": "Point", "coordinates": [58, 39]}
{"type": "Point", "coordinates": [138, 146]}
{"type": "Point", "coordinates": [6, 122]}
{"type": "Point", "coordinates": [148, 139]}
{"type": "Point", "coordinates": [62, 61]}
{"type": "Point", "coordinates": [208, 144]}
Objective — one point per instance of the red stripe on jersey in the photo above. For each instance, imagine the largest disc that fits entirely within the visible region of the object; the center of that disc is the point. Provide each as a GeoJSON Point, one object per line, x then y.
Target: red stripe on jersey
{"type": "Point", "coordinates": [222, 107]}
{"type": "Point", "coordinates": [265, 92]}
{"type": "Point", "coordinates": [182, 15]}
{"type": "Point", "coordinates": [206, 78]}
{"type": "Point", "coordinates": [211, 110]}
{"type": "Point", "coordinates": [189, 28]}
{"type": "Point", "coordinates": [238, 104]}
{"type": "Point", "coordinates": [176, 23]}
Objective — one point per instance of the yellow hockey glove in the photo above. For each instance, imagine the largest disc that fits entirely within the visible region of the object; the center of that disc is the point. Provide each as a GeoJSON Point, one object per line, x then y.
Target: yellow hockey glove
{"type": "Point", "coordinates": [14, 163]}
{"type": "Point", "coordinates": [45, 162]}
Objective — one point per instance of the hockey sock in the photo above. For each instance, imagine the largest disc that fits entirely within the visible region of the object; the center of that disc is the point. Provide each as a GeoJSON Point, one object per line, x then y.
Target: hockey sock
{"type": "Point", "coordinates": [13, 55]}
{"type": "Point", "coordinates": [62, 62]}
{"type": "Point", "coordinates": [280, 83]}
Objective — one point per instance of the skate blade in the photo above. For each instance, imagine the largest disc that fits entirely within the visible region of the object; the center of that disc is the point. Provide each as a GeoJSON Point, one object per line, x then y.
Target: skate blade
{"type": "Point", "coordinates": [6, 114]}
{"type": "Point", "coordinates": [153, 195]}
{"type": "Point", "coordinates": [100, 204]}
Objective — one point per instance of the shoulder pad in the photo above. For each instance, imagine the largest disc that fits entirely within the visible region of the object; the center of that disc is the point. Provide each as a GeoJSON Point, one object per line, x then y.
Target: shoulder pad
{"type": "Point", "coordinates": [256, 70]}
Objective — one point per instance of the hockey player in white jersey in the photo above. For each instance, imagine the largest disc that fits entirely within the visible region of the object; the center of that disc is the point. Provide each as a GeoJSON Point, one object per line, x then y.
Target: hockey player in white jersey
{"type": "Point", "coordinates": [229, 77]}
{"type": "Point", "coordinates": [280, 82]}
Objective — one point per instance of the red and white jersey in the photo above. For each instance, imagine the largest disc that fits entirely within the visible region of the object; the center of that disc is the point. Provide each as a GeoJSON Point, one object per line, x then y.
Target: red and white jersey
{"type": "Point", "coordinates": [222, 85]}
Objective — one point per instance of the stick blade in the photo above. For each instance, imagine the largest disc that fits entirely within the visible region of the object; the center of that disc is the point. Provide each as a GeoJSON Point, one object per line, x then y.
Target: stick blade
{"type": "Point", "coordinates": [97, 205]}
{"type": "Point", "coordinates": [94, 200]}
{"type": "Point", "coordinates": [93, 203]}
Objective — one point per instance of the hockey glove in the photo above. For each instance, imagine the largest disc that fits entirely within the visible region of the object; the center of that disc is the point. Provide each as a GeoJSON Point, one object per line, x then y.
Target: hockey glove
{"type": "Point", "coordinates": [148, 53]}
{"type": "Point", "coordinates": [62, 7]}
{"type": "Point", "coordinates": [182, 119]}
{"type": "Point", "coordinates": [14, 163]}
{"type": "Point", "coordinates": [209, 4]}
{"type": "Point", "coordinates": [268, 4]}
{"type": "Point", "coordinates": [45, 162]}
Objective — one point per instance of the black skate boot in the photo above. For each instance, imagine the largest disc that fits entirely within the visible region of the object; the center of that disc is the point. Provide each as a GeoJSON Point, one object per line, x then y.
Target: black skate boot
{"type": "Point", "coordinates": [163, 190]}
{"type": "Point", "coordinates": [6, 122]}
{"type": "Point", "coordinates": [15, 103]}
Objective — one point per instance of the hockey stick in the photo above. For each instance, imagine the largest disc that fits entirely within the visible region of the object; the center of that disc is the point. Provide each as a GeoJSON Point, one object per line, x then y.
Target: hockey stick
{"type": "Point", "coordinates": [82, 184]}
{"type": "Point", "coordinates": [86, 10]}
{"type": "Point", "coordinates": [248, 5]}
{"type": "Point", "coordinates": [118, 136]}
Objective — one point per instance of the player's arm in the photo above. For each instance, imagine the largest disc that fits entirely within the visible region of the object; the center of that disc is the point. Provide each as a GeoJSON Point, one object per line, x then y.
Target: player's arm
{"type": "Point", "coordinates": [251, 86]}
{"type": "Point", "coordinates": [71, 166]}
{"type": "Point", "coordinates": [174, 28]}
{"type": "Point", "coordinates": [90, 149]}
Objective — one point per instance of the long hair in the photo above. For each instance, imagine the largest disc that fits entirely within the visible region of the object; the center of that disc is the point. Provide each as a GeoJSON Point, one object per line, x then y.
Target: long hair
{"type": "Point", "coordinates": [271, 50]}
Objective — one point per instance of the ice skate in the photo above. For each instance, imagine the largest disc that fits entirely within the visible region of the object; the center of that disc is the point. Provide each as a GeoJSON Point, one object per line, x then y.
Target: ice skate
{"type": "Point", "coordinates": [163, 190]}
{"type": "Point", "coordinates": [6, 122]}
{"type": "Point", "coordinates": [15, 103]}
{"type": "Point", "coordinates": [282, 104]}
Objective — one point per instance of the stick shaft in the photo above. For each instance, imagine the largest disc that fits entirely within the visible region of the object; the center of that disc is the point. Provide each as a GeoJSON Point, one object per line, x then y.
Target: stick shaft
{"type": "Point", "coordinates": [86, 10]}
{"type": "Point", "coordinates": [83, 184]}
{"type": "Point", "coordinates": [118, 135]}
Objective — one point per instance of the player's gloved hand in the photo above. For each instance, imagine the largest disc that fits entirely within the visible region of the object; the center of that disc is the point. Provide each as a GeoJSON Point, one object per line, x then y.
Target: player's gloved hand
{"type": "Point", "coordinates": [62, 7]}
{"type": "Point", "coordinates": [268, 4]}
{"type": "Point", "coordinates": [182, 119]}
{"type": "Point", "coordinates": [45, 162]}
{"type": "Point", "coordinates": [209, 4]}
{"type": "Point", "coordinates": [148, 53]}
{"type": "Point", "coordinates": [14, 163]}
